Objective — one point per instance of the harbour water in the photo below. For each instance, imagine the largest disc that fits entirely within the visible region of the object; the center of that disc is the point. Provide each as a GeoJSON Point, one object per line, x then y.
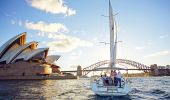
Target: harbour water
{"type": "Point", "coordinates": [143, 88]}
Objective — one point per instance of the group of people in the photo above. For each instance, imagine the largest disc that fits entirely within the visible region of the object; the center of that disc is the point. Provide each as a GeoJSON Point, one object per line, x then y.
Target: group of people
{"type": "Point", "coordinates": [114, 79]}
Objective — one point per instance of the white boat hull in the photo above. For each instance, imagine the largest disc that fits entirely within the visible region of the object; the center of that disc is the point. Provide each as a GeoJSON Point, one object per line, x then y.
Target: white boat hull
{"type": "Point", "coordinates": [102, 90]}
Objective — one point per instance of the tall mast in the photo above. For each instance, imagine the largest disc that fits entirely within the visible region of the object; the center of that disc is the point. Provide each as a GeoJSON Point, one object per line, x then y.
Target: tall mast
{"type": "Point", "coordinates": [113, 37]}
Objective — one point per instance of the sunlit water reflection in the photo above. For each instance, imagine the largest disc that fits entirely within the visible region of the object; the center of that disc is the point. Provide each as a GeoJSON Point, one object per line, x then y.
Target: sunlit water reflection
{"type": "Point", "coordinates": [142, 88]}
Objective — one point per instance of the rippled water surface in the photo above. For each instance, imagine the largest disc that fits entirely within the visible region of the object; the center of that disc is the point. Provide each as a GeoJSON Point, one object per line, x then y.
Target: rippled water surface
{"type": "Point", "coordinates": [149, 88]}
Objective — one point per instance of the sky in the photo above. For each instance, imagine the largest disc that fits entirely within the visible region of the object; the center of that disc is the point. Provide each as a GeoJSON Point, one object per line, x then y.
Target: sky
{"type": "Point", "coordinates": [74, 29]}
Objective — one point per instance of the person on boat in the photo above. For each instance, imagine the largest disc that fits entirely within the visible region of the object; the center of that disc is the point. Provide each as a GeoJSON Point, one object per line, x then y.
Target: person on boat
{"type": "Point", "coordinates": [101, 82]}
{"type": "Point", "coordinates": [105, 81]}
{"type": "Point", "coordinates": [112, 76]}
{"type": "Point", "coordinates": [119, 76]}
{"type": "Point", "coordinates": [110, 81]}
{"type": "Point", "coordinates": [103, 78]}
{"type": "Point", "coordinates": [105, 75]}
{"type": "Point", "coordinates": [115, 77]}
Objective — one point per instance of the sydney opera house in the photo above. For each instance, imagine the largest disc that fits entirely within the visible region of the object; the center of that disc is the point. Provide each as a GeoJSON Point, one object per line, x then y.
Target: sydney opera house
{"type": "Point", "coordinates": [18, 58]}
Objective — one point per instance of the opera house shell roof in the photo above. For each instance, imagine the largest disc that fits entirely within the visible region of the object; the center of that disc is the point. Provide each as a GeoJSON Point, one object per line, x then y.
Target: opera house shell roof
{"type": "Point", "coordinates": [16, 49]}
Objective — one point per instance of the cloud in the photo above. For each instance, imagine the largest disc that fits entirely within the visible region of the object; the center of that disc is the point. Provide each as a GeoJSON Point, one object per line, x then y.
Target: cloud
{"type": "Point", "coordinates": [64, 43]}
{"type": "Point", "coordinates": [95, 40]}
{"type": "Point", "coordinates": [30, 35]}
{"type": "Point", "coordinates": [46, 27]}
{"type": "Point", "coordinates": [13, 21]}
{"type": "Point", "coordinates": [149, 42]}
{"type": "Point", "coordinates": [59, 36]}
{"type": "Point", "coordinates": [75, 55]}
{"type": "Point", "coordinates": [41, 34]}
{"type": "Point", "coordinates": [163, 36]}
{"type": "Point", "coordinates": [139, 48]}
{"type": "Point", "coordinates": [16, 22]}
{"type": "Point", "coordinates": [59, 42]}
{"type": "Point", "coordinates": [20, 23]}
{"type": "Point", "coordinates": [157, 54]}
{"type": "Point", "coordinates": [52, 6]}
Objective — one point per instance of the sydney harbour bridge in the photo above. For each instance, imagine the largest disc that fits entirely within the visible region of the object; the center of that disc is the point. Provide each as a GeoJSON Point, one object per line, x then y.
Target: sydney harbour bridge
{"type": "Point", "coordinates": [153, 69]}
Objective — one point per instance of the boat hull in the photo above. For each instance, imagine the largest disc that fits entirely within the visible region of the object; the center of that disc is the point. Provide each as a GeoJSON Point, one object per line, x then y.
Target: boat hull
{"type": "Point", "coordinates": [110, 94]}
{"type": "Point", "coordinates": [102, 90]}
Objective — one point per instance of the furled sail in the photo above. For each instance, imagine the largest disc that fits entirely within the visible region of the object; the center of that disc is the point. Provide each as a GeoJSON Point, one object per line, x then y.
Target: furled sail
{"type": "Point", "coordinates": [113, 37]}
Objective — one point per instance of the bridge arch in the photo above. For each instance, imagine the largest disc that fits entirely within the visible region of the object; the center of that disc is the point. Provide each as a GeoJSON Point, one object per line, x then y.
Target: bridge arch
{"type": "Point", "coordinates": [95, 66]}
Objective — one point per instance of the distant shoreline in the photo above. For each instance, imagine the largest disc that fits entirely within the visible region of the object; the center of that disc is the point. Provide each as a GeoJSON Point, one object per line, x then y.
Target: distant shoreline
{"type": "Point", "coordinates": [141, 75]}
{"type": "Point", "coordinates": [37, 77]}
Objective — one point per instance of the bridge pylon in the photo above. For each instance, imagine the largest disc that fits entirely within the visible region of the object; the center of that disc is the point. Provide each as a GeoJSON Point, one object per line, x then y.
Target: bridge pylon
{"type": "Point", "coordinates": [79, 71]}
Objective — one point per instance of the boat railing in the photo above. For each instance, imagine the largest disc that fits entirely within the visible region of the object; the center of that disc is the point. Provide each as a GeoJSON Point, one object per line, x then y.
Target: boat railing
{"type": "Point", "coordinates": [94, 78]}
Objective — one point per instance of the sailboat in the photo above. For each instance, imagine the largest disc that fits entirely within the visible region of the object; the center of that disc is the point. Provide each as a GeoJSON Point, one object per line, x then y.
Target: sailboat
{"type": "Point", "coordinates": [97, 83]}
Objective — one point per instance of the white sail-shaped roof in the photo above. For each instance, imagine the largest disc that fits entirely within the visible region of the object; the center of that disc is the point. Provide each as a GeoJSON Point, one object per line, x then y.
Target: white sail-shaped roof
{"type": "Point", "coordinates": [16, 49]}
{"type": "Point", "coordinates": [5, 46]}
{"type": "Point", "coordinates": [28, 54]}
{"type": "Point", "coordinates": [52, 58]}
{"type": "Point", "coordinates": [12, 54]}
{"type": "Point", "coordinates": [23, 55]}
{"type": "Point", "coordinates": [35, 52]}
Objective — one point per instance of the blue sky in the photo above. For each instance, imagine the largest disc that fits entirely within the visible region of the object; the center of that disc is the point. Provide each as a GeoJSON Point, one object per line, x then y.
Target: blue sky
{"type": "Point", "coordinates": [74, 28]}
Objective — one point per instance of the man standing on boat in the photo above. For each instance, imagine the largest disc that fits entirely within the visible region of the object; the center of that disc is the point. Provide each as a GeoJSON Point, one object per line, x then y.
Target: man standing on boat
{"type": "Point", "coordinates": [115, 77]}
{"type": "Point", "coordinates": [112, 76]}
{"type": "Point", "coordinates": [119, 76]}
